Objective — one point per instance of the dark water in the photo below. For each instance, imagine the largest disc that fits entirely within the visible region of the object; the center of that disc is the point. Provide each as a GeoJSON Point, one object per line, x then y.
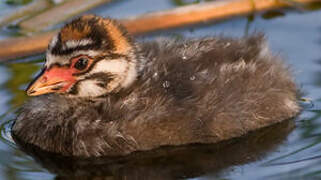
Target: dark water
{"type": "Point", "coordinates": [291, 150]}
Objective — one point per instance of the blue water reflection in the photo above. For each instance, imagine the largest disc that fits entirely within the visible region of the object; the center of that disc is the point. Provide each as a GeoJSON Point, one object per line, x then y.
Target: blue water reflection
{"type": "Point", "coordinates": [295, 36]}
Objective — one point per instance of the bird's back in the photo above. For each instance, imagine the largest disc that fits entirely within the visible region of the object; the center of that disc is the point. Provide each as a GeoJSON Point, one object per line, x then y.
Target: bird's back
{"type": "Point", "coordinates": [207, 90]}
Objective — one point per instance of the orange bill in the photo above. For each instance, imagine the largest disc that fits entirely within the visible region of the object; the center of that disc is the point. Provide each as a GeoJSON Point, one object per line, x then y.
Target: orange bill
{"type": "Point", "coordinates": [55, 80]}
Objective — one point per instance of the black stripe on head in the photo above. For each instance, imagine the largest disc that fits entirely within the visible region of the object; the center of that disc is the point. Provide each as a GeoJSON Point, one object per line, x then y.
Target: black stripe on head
{"type": "Point", "coordinates": [102, 80]}
{"type": "Point", "coordinates": [74, 89]}
{"type": "Point", "coordinates": [59, 50]}
{"type": "Point", "coordinates": [98, 34]}
{"type": "Point", "coordinates": [115, 56]}
{"type": "Point", "coordinates": [55, 50]}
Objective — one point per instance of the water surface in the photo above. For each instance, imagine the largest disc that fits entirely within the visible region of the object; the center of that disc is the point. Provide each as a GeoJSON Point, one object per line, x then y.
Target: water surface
{"type": "Point", "coordinates": [293, 154]}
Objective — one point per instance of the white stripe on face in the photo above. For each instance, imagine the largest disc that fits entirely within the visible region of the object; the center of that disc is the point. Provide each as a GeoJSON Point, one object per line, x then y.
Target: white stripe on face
{"type": "Point", "coordinates": [89, 88]}
{"type": "Point", "coordinates": [124, 72]}
{"type": "Point", "coordinates": [70, 44]}
{"type": "Point", "coordinates": [76, 43]}
{"type": "Point", "coordinates": [114, 66]}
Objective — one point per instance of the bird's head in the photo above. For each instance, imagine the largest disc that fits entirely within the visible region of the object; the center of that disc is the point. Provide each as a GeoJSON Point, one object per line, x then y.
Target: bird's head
{"type": "Point", "coordinates": [90, 57]}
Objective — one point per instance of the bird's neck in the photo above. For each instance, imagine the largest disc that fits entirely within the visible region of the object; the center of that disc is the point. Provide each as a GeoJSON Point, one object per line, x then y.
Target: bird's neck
{"type": "Point", "coordinates": [140, 60]}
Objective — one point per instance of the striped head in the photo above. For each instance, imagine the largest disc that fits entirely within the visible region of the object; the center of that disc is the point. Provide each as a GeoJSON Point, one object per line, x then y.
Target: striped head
{"type": "Point", "coordinates": [90, 57]}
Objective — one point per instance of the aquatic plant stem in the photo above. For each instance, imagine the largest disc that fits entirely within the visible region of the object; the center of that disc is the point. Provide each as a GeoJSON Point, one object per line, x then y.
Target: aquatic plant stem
{"type": "Point", "coordinates": [60, 13]}
{"type": "Point", "coordinates": [28, 10]}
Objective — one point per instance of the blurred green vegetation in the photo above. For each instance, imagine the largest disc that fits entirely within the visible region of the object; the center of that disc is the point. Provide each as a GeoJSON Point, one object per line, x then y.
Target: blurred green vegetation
{"type": "Point", "coordinates": [18, 2]}
{"type": "Point", "coordinates": [21, 74]}
{"type": "Point", "coordinates": [313, 6]}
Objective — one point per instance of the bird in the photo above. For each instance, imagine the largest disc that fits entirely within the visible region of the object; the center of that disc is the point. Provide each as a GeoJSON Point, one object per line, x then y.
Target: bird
{"type": "Point", "coordinates": [103, 93]}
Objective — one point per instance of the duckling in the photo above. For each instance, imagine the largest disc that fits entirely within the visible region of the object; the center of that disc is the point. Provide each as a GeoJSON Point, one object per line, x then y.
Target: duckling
{"type": "Point", "coordinates": [100, 93]}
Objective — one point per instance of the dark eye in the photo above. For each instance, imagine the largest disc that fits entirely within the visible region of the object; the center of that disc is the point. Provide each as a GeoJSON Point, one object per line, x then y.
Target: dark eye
{"type": "Point", "coordinates": [82, 63]}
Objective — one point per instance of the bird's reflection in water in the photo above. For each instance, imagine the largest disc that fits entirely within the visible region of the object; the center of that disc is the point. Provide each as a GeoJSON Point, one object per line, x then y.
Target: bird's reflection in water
{"type": "Point", "coordinates": [167, 162]}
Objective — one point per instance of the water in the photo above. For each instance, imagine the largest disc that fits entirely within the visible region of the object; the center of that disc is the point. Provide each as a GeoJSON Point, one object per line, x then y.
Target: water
{"type": "Point", "coordinates": [283, 152]}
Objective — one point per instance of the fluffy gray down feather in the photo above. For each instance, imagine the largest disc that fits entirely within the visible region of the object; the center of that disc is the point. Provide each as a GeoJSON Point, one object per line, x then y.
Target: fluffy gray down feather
{"type": "Point", "coordinates": [189, 91]}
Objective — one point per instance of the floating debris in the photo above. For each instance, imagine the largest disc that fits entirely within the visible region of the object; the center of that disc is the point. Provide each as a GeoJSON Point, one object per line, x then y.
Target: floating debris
{"type": "Point", "coordinates": [306, 103]}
